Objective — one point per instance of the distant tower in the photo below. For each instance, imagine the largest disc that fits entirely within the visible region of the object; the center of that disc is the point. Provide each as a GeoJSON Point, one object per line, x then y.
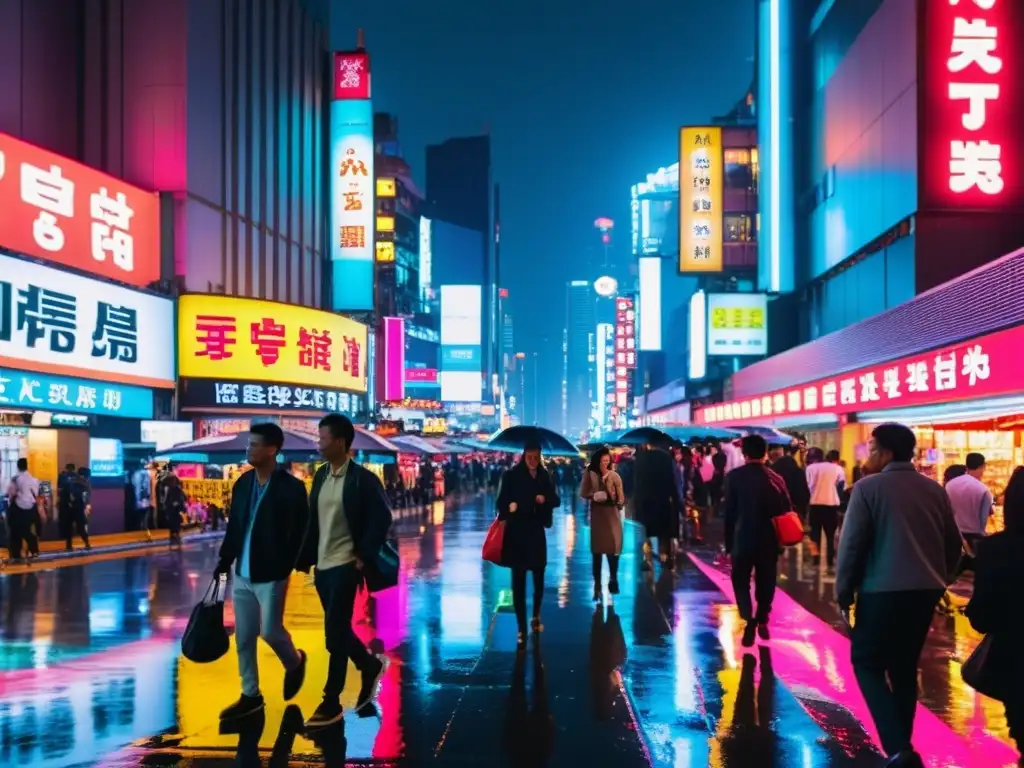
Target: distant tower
{"type": "Point", "coordinates": [604, 225]}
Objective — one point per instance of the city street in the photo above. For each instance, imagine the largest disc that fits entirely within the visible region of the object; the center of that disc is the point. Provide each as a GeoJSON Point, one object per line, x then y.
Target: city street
{"type": "Point", "coordinates": [90, 671]}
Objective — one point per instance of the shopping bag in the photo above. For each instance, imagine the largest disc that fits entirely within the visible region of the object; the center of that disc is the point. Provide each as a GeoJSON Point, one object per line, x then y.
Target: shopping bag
{"type": "Point", "coordinates": [789, 529]}
{"type": "Point", "coordinates": [205, 639]}
{"type": "Point", "coordinates": [985, 669]}
{"type": "Point", "coordinates": [495, 542]}
{"type": "Point", "coordinates": [382, 572]}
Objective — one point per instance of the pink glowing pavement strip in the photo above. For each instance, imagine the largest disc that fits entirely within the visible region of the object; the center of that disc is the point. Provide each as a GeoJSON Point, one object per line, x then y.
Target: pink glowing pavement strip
{"type": "Point", "coordinates": [810, 655]}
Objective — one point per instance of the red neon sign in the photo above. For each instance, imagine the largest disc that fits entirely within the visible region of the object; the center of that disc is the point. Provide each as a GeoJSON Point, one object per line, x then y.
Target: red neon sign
{"type": "Point", "coordinates": [65, 212]}
{"type": "Point", "coordinates": [971, 104]}
{"type": "Point", "coordinates": [988, 366]}
{"type": "Point", "coordinates": [351, 75]}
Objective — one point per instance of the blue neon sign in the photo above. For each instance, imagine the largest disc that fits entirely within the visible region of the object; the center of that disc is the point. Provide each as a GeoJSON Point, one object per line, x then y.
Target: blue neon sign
{"type": "Point", "coordinates": [42, 392]}
{"type": "Point", "coordinates": [353, 212]}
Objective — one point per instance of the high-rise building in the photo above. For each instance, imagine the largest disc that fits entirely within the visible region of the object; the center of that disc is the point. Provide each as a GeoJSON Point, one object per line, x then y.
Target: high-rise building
{"type": "Point", "coordinates": [580, 351]}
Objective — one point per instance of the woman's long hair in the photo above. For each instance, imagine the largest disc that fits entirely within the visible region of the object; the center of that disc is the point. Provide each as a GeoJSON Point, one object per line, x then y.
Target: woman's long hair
{"type": "Point", "coordinates": [1013, 503]}
{"type": "Point", "coordinates": [595, 459]}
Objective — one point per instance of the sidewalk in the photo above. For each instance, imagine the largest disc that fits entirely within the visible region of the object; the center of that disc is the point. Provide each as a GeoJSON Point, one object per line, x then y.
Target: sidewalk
{"type": "Point", "coordinates": [112, 543]}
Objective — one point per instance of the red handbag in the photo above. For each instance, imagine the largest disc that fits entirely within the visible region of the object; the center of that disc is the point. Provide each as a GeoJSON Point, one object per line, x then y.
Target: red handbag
{"type": "Point", "coordinates": [495, 542]}
{"type": "Point", "coordinates": [789, 529]}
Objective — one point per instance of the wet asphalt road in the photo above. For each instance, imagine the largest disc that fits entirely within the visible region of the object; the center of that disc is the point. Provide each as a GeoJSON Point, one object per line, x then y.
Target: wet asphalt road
{"type": "Point", "coordinates": [90, 672]}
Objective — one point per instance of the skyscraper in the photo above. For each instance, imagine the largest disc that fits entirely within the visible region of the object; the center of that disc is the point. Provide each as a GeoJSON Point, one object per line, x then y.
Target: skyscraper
{"type": "Point", "coordinates": [580, 332]}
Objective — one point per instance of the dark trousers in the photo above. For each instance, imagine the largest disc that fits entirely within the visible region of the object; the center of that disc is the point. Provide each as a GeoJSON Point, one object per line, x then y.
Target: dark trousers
{"type": "Point", "coordinates": [71, 520]}
{"type": "Point", "coordinates": [21, 530]}
{"type": "Point", "coordinates": [337, 589]}
{"type": "Point", "coordinates": [825, 519]}
{"type": "Point", "coordinates": [519, 594]}
{"type": "Point", "coordinates": [613, 568]}
{"type": "Point", "coordinates": [888, 634]}
{"type": "Point", "coordinates": [762, 566]}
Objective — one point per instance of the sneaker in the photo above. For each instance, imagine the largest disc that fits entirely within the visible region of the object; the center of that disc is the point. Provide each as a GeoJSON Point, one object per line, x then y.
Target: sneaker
{"type": "Point", "coordinates": [748, 634]}
{"type": "Point", "coordinates": [328, 713]}
{"type": "Point", "coordinates": [372, 676]}
{"type": "Point", "coordinates": [293, 678]}
{"type": "Point", "coordinates": [762, 631]}
{"type": "Point", "coordinates": [244, 707]}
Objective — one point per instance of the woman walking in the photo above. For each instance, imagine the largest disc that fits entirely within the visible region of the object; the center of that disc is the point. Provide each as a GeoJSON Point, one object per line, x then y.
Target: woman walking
{"type": "Point", "coordinates": [526, 501]}
{"type": "Point", "coordinates": [602, 487]}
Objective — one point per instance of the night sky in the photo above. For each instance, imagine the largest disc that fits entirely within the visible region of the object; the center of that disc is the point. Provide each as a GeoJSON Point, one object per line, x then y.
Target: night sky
{"type": "Point", "coordinates": [581, 97]}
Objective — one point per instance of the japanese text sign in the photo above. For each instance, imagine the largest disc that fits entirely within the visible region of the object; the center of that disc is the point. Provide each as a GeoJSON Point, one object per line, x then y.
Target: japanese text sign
{"type": "Point", "coordinates": [224, 337]}
{"type": "Point", "coordinates": [65, 212]}
{"type": "Point", "coordinates": [971, 105]}
{"type": "Point", "coordinates": [353, 215]}
{"type": "Point", "coordinates": [206, 394]}
{"type": "Point", "coordinates": [700, 199]}
{"type": "Point", "coordinates": [737, 324]}
{"type": "Point", "coordinates": [987, 366]}
{"type": "Point", "coordinates": [58, 322]}
{"type": "Point", "coordinates": [351, 75]}
{"type": "Point", "coordinates": [24, 389]}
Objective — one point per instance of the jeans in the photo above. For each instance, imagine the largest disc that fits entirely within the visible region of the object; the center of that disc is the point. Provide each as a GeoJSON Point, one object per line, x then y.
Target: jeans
{"type": "Point", "coordinates": [889, 631]}
{"type": "Point", "coordinates": [259, 612]}
{"type": "Point", "coordinates": [337, 589]}
{"type": "Point", "coordinates": [825, 519]}
{"type": "Point", "coordinates": [519, 594]}
{"type": "Point", "coordinates": [763, 567]}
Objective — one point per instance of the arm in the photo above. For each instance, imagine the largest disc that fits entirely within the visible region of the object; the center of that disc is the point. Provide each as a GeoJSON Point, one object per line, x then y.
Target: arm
{"type": "Point", "coordinates": [504, 497]}
{"type": "Point", "coordinates": [854, 544]}
{"type": "Point", "coordinates": [954, 542]}
{"type": "Point", "coordinates": [233, 533]}
{"type": "Point", "coordinates": [378, 521]}
{"type": "Point", "coordinates": [731, 512]}
{"type": "Point", "coordinates": [299, 521]}
{"type": "Point", "coordinates": [986, 510]}
{"type": "Point", "coordinates": [587, 487]}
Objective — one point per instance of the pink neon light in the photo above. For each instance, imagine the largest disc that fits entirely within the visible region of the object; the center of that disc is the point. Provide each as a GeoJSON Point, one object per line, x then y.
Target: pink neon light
{"type": "Point", "coordinates": [394, 358]}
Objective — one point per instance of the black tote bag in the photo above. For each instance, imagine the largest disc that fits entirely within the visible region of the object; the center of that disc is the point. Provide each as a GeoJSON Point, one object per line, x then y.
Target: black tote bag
{"type": "Point", "coordinates": [205, 639]}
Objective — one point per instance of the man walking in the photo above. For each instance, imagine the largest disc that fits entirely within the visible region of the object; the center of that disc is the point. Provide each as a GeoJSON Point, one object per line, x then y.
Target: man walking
{"type": "Point", "coordinates": [264, 536]}
{"type": "Point", "coordinates": [898, 551]}
{"type": "Point", "coordinates": [348, 524]}
{"type": "Point", "coordinates": [785, 465]}
{"type": "Point", "coordinates": [972, 502]}
{"type": "Point", "coordinates": [754, 495]}
{"type": "Point", "coordinates": [826, 480]}
{"type": "Point", "coordinates": [23, 493]}
{"type": "Point", "coordinates": [142, 485]}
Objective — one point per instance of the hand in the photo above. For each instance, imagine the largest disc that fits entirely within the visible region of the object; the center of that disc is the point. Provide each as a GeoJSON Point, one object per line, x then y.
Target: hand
{"type": "Point", "coordinates": [845, 614]}
{"type": "Point", "coordinates": [600, 496]}
{"type": "Point", "coordinates": [221, 568]}
{"type": "Point", "coordinates": [539, 499]}
{"type": "Point", "coordinates": [359, 564]}
{"type": "Point", "coordinates": [512, 507]}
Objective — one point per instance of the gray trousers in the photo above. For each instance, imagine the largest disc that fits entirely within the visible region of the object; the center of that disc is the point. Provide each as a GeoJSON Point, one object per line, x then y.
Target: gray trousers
{"type": "Point", "coordinates": [259, 612]}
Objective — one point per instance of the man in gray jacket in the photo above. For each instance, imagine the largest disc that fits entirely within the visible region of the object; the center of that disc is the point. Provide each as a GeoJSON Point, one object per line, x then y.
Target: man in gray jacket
{"type": "Point", "coordinates": [898, 551]}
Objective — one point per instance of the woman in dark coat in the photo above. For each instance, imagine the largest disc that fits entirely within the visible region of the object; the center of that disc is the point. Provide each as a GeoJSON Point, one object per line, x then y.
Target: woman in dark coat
{"type": "Point", "coordinates": [658, 502]}
{"type": "Point", "coordinates": [526, 501]}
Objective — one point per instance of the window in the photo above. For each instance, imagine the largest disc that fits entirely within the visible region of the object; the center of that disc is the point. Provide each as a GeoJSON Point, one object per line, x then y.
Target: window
{"type": "Point", "coordinates": [738, 169]}
{"type": "Point", "coordinates": [739, 228]}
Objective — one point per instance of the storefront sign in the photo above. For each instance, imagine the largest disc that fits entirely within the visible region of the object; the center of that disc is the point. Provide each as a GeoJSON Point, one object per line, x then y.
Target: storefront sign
{"type": "Point", "coordinates": [353, 210]}
{"type": "Point", "coordinates": [700, 199]}
{"type": "Point", "coordinates": [625, 348]}
{"type": "Point", "coordinates": [971, 104]}
{"type": "Point", "coordinates": [235, 339]}
{"type": "Point", "coordinates": [200, 394]}
{"type": "Point", "coordinates": [988, 366]}
{"type": "Point", "coordinates": [106, 457]}
{"type": "Point", "coordinates": [57, 322]}
{"type": "Point", "coordinates": [62, 211]}
{"type": "Point", "coordinates": [36, 391]}
{"type": "Point", "coordinates": [737, 324]}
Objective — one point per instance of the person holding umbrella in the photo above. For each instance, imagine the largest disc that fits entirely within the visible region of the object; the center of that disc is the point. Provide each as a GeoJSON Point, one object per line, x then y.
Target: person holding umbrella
{"type": "Point", "coordinates": [526, 501]}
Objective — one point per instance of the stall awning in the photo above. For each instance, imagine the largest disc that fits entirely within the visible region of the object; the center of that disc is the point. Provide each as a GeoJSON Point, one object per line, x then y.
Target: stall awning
{"type": "Point", "coordinates": [447, 447]}
{"type": "Point", "coordinates": [415, 445]}
{"type": "Point", "coordinates": [372, 443]}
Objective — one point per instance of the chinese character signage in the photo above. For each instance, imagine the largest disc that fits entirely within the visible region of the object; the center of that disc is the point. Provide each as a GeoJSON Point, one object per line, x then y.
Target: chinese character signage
{"type": "Point", "coordinates": [971, 104]}
{"type": "Point", "coordinates": [223, 337]}
{"type": "Point", "coordinates": [65, 212]}
{"type": "Point", "coordinates": [227, 394]}
{"type": "Point", "coordinates": [37, 391]}
{"type": "Point", "coordinates": [57, 322]}
{"type": "Point", "coordinates": [737, 324]}
{"type": "Point", "coordinates": [351, 75]}
{"type": "Point", "coordinates": [625, 349]}
{"type": "Point", "coordinates": [700, 199]}
{"type": "Point", "coordinates": [988, 366]}
{"type": "Point", "coordinates": [353, 214]}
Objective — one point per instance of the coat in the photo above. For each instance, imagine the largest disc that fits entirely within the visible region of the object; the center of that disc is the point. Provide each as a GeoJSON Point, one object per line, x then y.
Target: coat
{"type": "Point", "coordinates": [754, 494]}
{"type": "Point", "coordinates": [525, 543]}
{"type": "Point", "coordinates": [657, 498]}
{"type": "Point", "coordinates": [279, 529]}
{"type": "Point", "coordinates": [366, 511]}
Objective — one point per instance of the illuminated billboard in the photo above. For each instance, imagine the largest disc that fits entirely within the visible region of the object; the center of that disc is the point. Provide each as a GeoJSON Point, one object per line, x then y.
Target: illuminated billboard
{"type": "Point", "coordinates": [737, 324]}
{"type": "Point", "coordinates": [649, 309]}
{"type": "Point", "coordinates": [426, 255]}
{"type": "Point", "coordinates": [700, 199]}
{"type": "Point", "coordinates": [352, 205]}
{"type": "Point", "coordinates": [461, 356]}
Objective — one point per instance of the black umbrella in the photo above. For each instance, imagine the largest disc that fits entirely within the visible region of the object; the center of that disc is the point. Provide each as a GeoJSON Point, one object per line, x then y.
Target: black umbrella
{"type": "Point", "coordinates": [515, 439]}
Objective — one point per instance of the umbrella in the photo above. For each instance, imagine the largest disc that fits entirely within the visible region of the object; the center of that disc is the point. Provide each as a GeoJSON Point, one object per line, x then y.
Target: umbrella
{"type": "Point", "coordinates": [613, 437]}
{"type": "Point", "coordinates": [516, 438]}
{"type": "Point", "coordinates": [448, 448]}
{"type": "Point", "coordinates": [678, 434]}
{"type": "Point", "coordinates": [772, 435]}
{"type": "Point", "coordinates": [206, 449]}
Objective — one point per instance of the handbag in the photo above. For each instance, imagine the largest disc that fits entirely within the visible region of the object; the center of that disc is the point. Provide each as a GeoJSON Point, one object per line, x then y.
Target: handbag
{"type": "Point", "coordinates": [382, 573]}
{"type": "Point", "coordinates": [789, 529]}
{"type": "Point", "coordinates": [983, 673]}
{"type": "Point", "coordinates": [495, 542]}
{"type": "Point", "coordinates": [205, 639]}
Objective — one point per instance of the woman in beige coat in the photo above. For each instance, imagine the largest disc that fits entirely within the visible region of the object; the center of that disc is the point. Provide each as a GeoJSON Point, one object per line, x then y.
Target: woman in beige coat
{"type": "Point", "coordinates": [602, 487]}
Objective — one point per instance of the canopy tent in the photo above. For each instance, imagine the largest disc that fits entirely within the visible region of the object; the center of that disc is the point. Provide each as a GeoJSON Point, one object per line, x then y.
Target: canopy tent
{"type": "Point", "coordinates": [232, 448]}
{"type": "Point", "coordinates": [415, 445]}
{"type": "Point", "coordinates": [772, 435]}
{"type": "Point", "coordinates": [675, 434]}
{"type": "Point", "coordinates": [448, 447]}
{"type": "Point", "coordinates": [371, 442]}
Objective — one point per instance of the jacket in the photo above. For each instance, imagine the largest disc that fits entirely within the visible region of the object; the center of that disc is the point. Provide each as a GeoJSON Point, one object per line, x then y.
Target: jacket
{"type": "Point", "coordinates": [525, 543]}
{"type": "Point", "coordinates": [899, 534]}
{"type": "Point", "coordinates": [658, 498]}
{"type": "Point", "coordinates": [366, 510]}
{"type": "Point", "coordinates": [796, 482]}
{"type": "Point", "coordinates": [280, 526]}
{"type": "Point", "coordinates": [612, 485]}
{"type": "Point", "coordinates": [754, 494]}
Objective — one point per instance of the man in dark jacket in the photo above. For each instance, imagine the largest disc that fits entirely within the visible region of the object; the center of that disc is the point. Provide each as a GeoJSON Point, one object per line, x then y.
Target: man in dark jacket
{"type": "Point", "coordinates": [348, 524]}
{"type": "Point", "coordinates": [786, 467]}
{"type": "Point", "coordinates": [658, 502]}
{"type": "Point", "coordinates": [754, 495]}
{"type": "Point", "coordinates": [268, 521]}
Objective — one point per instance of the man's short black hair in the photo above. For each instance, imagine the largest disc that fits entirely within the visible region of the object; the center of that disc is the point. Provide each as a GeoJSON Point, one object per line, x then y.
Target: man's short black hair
{"type": "Point", "coordinates": [340, 427]}
{"type": "Point", "coordinates": [974, 461]}
{"type": "Point", "coordinates": [23, 465]}
{"type": "Point", "coordinates": [896, 438]}
{"type": "Point", "coordinates": [832, 455]}
{"type": "Point", "coordinates": [271, 434]}
{"type": "Point", "coordinates": [754, 447]}
{"type": "Point", "coordinates": [69, 467]}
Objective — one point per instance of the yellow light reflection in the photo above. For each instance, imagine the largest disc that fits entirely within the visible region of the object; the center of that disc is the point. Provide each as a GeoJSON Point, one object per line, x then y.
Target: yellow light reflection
{"type": "Point", "coordinates": [437, 513]}
{"type": "Point", "coordinates": [728, 617]}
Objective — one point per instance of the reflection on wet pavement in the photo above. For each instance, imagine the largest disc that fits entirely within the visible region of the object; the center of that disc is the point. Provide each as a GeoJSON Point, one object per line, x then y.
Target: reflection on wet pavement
{"type": "Point", "coordinates": [90, 672]}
